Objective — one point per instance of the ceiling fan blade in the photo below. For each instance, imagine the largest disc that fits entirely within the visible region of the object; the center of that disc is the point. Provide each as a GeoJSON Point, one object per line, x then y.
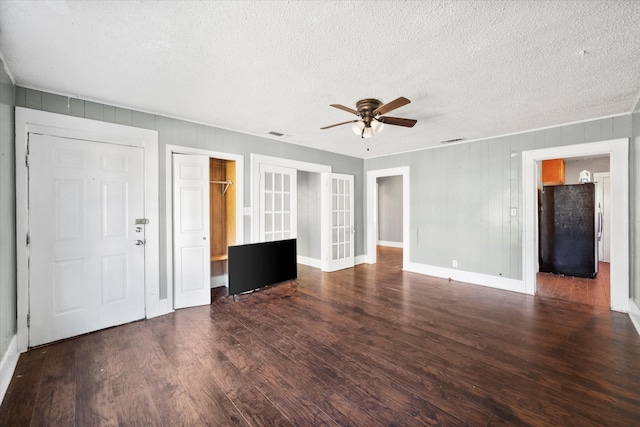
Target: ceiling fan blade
{"type": "Point", "coordinates": [340, 124]}
{"type": "Point", "coordinates": [397, 121]}
{"type": "Point", "coordinates": [347, 109]}
{"type": "Point", "coordinates": [396, 103]}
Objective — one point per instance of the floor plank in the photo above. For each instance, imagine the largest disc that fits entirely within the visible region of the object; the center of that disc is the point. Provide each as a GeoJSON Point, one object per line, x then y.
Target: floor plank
{"type": "Point", "coordinates": [372, 345]}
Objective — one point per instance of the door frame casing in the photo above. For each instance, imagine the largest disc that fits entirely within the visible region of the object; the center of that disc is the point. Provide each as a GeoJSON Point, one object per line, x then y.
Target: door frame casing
{"type": "Point", "coordinates": [372, 211]}
{"type": "Point", "coordinates": [239, 184]}
{"type": "Point", "coordinates": [42, 122]}
{"type": "Point", "coordinates": [618, 151]}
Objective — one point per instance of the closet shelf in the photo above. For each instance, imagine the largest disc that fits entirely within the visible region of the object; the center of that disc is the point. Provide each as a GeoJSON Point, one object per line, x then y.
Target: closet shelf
{"type": "Point", "coordinates": [226, 184]}
{"type": "Point", "coordinates": [221, 257]}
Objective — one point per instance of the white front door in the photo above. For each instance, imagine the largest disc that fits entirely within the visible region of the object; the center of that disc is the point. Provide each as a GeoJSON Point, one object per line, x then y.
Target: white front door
{"type": "Point", "coordinates": [191, 247]}
{"type": "Point", "coordinates": [278, 203]}
{"type": "Point", "coordinates": [341, 250]}
{"type": "Point", "coordinates": [86, 252]}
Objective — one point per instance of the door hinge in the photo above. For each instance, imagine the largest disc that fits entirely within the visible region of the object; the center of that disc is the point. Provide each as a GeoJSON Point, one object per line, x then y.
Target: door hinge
{"type": "Point", "coordinates": [28, 239]}
{"type": "Point", "coordinates": [27, 160]}
{"type": "Point", "coordinates": [28, 320]}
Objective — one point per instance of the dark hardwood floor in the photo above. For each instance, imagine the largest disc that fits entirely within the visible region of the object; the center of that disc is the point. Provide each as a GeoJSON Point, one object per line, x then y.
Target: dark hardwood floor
{"type": "Point", "coordinates": [365, 346]}
{"type": "Point", "coordinates": [595, 291]}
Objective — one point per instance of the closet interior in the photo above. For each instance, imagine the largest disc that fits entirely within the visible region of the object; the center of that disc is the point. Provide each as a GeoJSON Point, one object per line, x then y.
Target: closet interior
{"type": "Point", "coordinates": [222, 191]}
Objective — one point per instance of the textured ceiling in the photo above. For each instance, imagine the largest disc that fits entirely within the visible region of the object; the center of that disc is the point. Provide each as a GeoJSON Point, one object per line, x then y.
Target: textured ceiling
{"type": "Point", "coordinates": [472, 69]}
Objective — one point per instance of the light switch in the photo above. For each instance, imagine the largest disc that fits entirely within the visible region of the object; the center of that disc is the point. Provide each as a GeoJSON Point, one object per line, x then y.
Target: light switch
{"type": "Point", "coordinates": [514, 211]}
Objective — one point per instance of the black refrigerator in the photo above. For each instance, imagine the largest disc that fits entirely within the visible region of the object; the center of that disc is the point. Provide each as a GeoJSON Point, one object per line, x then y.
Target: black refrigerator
{"type": "Point", "coordinates": [567, 219]}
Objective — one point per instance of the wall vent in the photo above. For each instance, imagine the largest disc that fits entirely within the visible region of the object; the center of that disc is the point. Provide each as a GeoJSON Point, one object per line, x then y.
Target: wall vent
{"type": "Point", "coordinates": [449, 141]}
{"type": "Point", "coordinates": [274, 133]}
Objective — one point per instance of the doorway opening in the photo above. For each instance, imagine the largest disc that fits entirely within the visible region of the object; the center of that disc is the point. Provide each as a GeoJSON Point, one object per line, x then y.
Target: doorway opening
{"type": "Point", "coordinates": [395, 186]}
{"type": "Point", "coordinates": [222, 217]}
{"type": "Point", "coordinates": [222, 182]}
{"type": "Point", "coordinates": [574, 208]}
{"type": "Point", "coordinates": [618, 152]}
{"type": "Point", "coordinates": [389, 213]}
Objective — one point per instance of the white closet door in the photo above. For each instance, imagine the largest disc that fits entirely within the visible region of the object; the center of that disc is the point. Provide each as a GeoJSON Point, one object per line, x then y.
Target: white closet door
{"type": "Point", "coordinates": [278, 203]}
{"type": "Point", "coordinates": [341, 246]}
{"type": "Point", "coordinates": [191, 248]}
{"type": "Point", "coordinates": [86, 252]}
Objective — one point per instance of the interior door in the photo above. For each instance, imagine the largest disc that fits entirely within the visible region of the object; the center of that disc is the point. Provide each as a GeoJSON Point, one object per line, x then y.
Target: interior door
{"type": "Point", "coordinates": [191, 249]}
{"type": "Point", "coordinates": [278, 203]}
{"type": "Point", "coordinates": [341, 247]}
{"type": "Point", "coordinates": [86, 252]}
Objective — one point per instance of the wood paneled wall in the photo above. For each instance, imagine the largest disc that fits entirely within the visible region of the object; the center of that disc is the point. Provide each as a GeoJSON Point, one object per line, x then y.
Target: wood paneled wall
{"type": "Point", "coordinates": [8, 287]}
{"type": "Point", "coordinates": [461, 195]}
{"type": "Point", "coordinates": [187, 134]}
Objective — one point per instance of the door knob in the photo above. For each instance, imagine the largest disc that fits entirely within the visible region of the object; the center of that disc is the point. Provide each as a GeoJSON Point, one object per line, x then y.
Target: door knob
{"type": "Point", "coordinates": [139, 243]}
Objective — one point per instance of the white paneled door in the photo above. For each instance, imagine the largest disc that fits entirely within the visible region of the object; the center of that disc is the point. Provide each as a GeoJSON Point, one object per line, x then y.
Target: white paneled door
{"type": "Point", "coordinates": [341, 250]}
{"type": "Point", "coordinates": [86, 253]}
{"type": "Point", "coordinates": [191, 247]}
{"type": "Point", "coordinates": [278, 203]}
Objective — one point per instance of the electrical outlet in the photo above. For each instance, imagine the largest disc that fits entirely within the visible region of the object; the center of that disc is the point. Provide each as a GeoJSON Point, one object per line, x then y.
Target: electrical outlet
{"type": "Point", "coordinates": [455, 263]}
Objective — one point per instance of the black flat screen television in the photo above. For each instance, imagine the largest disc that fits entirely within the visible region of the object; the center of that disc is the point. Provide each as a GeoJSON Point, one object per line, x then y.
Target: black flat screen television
{"type": "Point", "coordinates": [257, 265]}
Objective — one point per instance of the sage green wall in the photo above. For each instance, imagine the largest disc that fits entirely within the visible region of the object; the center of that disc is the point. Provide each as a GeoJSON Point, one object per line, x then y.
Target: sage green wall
{"type": "Point", "coordinates": [634, 172]}
{"type": "Point", "coordinates": [8, 289]}
{"type": "Point", "coordinates": [187, 134]}
{"type": "Point", "coordinates": [390, 209]}
{"type": "Point", "coordinates": [461, 195]}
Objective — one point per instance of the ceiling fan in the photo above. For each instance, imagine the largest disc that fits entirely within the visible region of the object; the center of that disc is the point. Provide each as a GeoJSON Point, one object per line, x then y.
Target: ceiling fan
{"type": "Point", "coordinates": [371, 119]}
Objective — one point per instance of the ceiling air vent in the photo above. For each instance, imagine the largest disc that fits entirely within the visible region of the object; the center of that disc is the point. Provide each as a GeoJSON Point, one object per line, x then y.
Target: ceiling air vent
{"type": "Point", "coordinates": [449, 141]}
{"type": "Point", "coordinates": [274, 133]}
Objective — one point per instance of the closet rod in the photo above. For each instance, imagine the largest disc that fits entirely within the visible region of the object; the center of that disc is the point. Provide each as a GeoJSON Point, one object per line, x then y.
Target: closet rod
{"type": "Point", "coordinates": [225, 183]}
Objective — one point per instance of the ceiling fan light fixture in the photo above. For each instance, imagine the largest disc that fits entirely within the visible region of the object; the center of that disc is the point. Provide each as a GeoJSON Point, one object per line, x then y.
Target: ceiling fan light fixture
{"type": "Point", "coordinates": [376, 126]}
{"type": "Point", "coordinates": [358, 127]}
{"type": "Point", "coordinates": [368, 132]}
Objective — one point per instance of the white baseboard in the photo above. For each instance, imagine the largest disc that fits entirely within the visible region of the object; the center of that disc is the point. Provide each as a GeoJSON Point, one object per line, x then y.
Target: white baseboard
{"type": "Point", "coordinates": [311, 262]}
{"type": "Point", "coordinates": [468, 277]}
{"type": "Point", "coordinates": [634, 314]}
{"type": "Point", "coordinates": [8, 366]}
{"type": "Point", "coordinates": [360, 259]}
{"type": "Point", "coordinates": [390, 244]}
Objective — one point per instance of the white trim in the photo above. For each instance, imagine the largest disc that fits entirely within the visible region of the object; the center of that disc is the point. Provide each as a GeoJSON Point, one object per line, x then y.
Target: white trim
{"type": "Point", "coordinates": [618, 150]}
{"type": "Point", "coordinates": [239, 185]}
{"type": "Point", "coordinates": [634, 315]}
{"type": "Point", "coordinates": [8, 366]}
{"type": "Point", "coordinates": [467, 141]}
{"type": "Point", "coordinates": [35, 121]}
{"type": "Point", "coordinates": [496, 282]}
{"type": "Point", "coordinates": [390, 244]}
{"type": "Point", "coordinates": [372, 211]}
{"type": "Point", "coordinates": [311, 262]}
{"type": "Point", "coordinates": [360, 259]}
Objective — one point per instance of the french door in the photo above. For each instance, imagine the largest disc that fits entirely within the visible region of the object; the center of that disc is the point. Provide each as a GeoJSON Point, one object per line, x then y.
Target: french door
{"type": "Point", "coordinates": [278, 203]}
{"type": "Point", "coordinates": [341, 245]}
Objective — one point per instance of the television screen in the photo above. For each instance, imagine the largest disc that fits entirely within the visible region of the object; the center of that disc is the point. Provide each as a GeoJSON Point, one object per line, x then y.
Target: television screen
{"type": "Point", "coordinates": [257, 265]}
